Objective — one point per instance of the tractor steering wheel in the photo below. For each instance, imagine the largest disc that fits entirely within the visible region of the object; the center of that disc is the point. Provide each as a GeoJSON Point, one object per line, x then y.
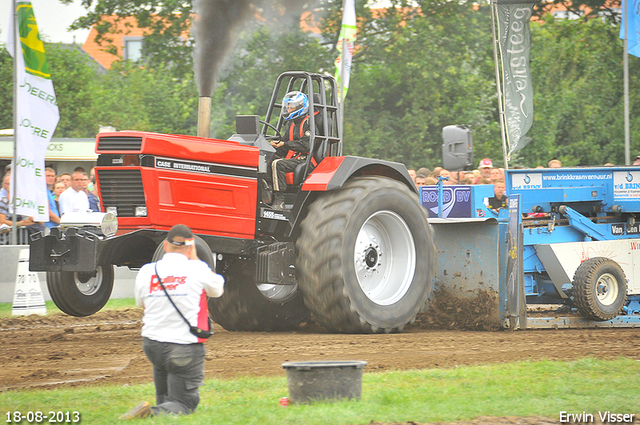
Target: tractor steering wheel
{"type": "Point", "coordinates": [277, 136]}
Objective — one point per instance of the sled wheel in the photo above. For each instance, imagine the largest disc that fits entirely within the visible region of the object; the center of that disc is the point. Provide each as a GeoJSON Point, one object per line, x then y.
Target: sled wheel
{"type": "Point", "coordinates": [80, 293]}
{"type": "Point", "coordinates": [366, 257]}
{"type": "Point", "coordinates": [246, 306]}
{"type": "Point", "coordinates": [600, 289]}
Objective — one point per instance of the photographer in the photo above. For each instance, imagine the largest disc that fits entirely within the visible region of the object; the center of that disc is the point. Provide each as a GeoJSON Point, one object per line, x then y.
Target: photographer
{"type": "Point", "coordinates": [174, 291]}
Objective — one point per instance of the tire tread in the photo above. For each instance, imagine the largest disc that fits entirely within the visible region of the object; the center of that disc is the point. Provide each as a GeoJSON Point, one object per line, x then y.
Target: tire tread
{"type": "Point", "coordinates": [319, 261]}
{"type": "Point", "coordinates": [584, 285]}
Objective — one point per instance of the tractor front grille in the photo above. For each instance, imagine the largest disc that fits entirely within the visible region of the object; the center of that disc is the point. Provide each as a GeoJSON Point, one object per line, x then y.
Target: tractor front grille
{"type": "Point", "coordinates": [115, 143]}
{"type": "Point", "coordinates": [123, 190]}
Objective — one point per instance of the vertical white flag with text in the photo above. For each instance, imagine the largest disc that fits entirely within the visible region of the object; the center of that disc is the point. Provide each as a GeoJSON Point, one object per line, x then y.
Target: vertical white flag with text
{"type": "Point", "coordinates": [37, 115]}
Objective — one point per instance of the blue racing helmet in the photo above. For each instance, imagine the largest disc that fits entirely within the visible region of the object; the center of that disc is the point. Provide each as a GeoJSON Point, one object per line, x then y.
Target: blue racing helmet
{"type": "Point", "coordinates": [295, 104]}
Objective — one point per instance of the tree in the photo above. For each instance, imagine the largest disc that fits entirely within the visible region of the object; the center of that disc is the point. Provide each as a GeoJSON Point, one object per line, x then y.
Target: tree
{"type": "Point", "coordinates": [587, 9]}
{"type": "Point", "coordinates": [245, 86]}
{"type": "Point", "coordinates": [74, 77]}
{"type": "Point", "coordinates": [131, 97]}
{"type": "Point", "coordinates": [6, 89]}
{"type": "Point", "coordinates": [73, 74]}
{"type": "Point", "coordinates": [420, 70]}
{"type": "Point", "coordinates": [165, 24]}
{"type": "Point", "coordinates": [578, 108]}
{"type": "Point", "coordinates": [168, 25]}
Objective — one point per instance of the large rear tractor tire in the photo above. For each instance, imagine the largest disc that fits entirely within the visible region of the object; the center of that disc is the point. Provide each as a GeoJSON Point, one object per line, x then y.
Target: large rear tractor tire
{"type": "Point", "coordinates": [599, 289]}
{"type": "Point", "coordinates": [245, 306]}
{"type": "Point", "coordinates": [81, 294]}
{"type": "Point", "coordinates": [366, 257]}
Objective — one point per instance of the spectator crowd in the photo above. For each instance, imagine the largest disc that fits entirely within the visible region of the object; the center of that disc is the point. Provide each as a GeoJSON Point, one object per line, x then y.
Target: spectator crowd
{"type": "Point", "coordinates": [67, 192]}
{"type": "Point", "coordinates": [486, 173]}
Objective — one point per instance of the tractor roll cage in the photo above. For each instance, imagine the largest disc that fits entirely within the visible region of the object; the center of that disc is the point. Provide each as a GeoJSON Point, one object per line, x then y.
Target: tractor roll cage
{"type": "Point", "coordinates": [323, 112]}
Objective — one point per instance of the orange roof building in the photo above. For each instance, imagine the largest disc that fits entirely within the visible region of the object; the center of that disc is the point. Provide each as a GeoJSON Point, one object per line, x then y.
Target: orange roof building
{"type": "Point", "coordinates": [127, 40]}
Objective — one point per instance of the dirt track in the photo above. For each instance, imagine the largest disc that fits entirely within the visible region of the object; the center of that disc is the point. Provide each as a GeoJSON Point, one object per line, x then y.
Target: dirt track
{"type": "Point", "coordinates": [106, 348]}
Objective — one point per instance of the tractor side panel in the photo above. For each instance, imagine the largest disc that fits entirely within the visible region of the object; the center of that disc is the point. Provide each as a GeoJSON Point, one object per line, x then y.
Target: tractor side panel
{"type": "Point", "coordinates": [220, 205]}
{"type": "Point", "coordinates": [157, 180]}
{"type": "Point", "coordinates": [220, 152]}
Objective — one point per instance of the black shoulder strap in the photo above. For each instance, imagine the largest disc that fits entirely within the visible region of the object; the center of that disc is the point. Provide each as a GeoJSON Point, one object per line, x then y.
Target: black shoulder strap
{"type": "Point", "coordinates": [200, 333]}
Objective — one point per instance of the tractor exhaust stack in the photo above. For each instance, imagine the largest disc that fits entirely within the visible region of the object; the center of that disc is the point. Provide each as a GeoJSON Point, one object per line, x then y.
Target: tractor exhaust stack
{"type": "Point", "coordinates": [204, 116]}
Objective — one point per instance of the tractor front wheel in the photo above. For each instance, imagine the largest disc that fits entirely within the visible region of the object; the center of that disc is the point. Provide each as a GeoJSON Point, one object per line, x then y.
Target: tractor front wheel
{"type": "Point", "coordinates": [246, 306]}
{"type": "Point", "coordinates": [79, 293]}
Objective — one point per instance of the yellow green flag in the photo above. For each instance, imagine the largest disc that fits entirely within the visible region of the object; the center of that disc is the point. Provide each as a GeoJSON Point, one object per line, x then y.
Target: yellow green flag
{"type": "Point", "coordinates": [37, 115]}
{"type": "Point", "coordinates": [35, 61]}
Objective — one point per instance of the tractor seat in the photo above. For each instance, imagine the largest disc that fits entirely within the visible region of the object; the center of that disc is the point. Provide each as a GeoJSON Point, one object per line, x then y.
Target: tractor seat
{"type": "Point", "coordinates": [295, 178]}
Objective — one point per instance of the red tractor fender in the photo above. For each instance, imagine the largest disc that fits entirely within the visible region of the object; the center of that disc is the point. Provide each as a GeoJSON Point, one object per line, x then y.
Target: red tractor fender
{"type": "Point", "coordinates": [334, 171]}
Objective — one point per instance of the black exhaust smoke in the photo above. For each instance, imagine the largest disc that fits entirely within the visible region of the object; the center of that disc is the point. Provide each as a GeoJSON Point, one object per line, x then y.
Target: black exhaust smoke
{"type": "Point", "coordinates": [216, 28]}
{"type": "Point", "coordinates": [215, 33]}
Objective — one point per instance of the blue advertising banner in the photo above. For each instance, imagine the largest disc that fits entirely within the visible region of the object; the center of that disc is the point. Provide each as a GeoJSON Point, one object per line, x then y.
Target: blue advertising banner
{"type": "Point", "coordinates": [631, 15]}
{"type": "Point", "coordinates": [458, 201]}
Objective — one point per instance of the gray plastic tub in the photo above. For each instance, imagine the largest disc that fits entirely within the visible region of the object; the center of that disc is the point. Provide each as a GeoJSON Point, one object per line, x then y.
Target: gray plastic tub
{"type": "Point", "coordinates": [324, 380]}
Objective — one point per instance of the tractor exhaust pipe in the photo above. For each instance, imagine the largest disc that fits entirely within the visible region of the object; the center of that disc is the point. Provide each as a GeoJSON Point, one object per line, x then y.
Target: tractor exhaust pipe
{"type": "Point", "coordinates": [204, 116]}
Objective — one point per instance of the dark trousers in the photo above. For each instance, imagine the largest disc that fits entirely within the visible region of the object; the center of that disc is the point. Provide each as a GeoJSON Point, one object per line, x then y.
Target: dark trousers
{"type": "Point", "coordinates": [178, 371]}
{"type": "Point", "coordinates": [279, 168]}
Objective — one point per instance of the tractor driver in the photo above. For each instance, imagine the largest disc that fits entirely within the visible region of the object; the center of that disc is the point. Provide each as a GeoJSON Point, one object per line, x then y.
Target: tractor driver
{"type": "Point", "coordinates": [291, 151]}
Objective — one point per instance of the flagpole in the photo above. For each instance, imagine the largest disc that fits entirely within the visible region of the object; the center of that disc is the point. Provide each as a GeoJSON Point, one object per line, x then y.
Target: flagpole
{"type": "Point", "coordinates": [627, 132]}
{"type": "Point", "coordinates": [13, 240]}
{"type": "Point", "coordinates": [343, 70]}
{"type": "Point", "coordinates": [492, 4]}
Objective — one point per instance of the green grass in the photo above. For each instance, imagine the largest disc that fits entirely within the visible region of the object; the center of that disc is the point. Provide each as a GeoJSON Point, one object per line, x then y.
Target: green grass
{"type": "Point", "coordinates": [516, 389]}
{"type": "Point", "coordinates": [113, 304]}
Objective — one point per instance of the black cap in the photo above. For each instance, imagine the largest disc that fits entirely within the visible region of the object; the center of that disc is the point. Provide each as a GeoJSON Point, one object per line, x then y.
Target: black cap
{"type": "Point", "coordinates": [180, 230]}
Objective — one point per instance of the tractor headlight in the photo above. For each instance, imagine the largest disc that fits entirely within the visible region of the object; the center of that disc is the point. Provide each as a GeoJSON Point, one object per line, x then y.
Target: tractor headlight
{"type": "Point", "coordinates": [101, 223]}
{"type": "Point", "coordinates": [141, 211]}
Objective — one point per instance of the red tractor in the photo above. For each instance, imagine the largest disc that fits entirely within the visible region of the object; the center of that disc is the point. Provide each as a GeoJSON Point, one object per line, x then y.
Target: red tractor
{"type": "Point", "coordinates": [353, 246]}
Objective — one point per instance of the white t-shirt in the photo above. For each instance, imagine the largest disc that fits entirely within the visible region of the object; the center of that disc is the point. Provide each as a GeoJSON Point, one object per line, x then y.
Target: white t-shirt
{"type": "Point", "coordinates": [188, 282]}
{"type": "Point", "coordinates": [72, 201]}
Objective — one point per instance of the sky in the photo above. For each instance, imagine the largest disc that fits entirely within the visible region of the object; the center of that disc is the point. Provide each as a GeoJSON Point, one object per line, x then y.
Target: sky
{"type": "Point", "coordinates": [53, 17]}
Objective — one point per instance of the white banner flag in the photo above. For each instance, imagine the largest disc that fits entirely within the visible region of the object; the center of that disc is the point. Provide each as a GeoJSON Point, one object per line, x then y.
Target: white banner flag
{"type": "Point", "coordinates": [348, 39]}
{"type": "Point", "coordinates": [37, 115]}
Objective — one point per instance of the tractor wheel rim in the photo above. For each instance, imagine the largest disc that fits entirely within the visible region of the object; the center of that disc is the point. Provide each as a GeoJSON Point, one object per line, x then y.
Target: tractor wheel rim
{"type": "Point", "coordinates": [607, 289]}
{"type": "Point", "coordinates": [385, 257]}
{"type": "Point", "coordinates": [279, 293]}
{"type": "Point", "coordinates": [88, 285]}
